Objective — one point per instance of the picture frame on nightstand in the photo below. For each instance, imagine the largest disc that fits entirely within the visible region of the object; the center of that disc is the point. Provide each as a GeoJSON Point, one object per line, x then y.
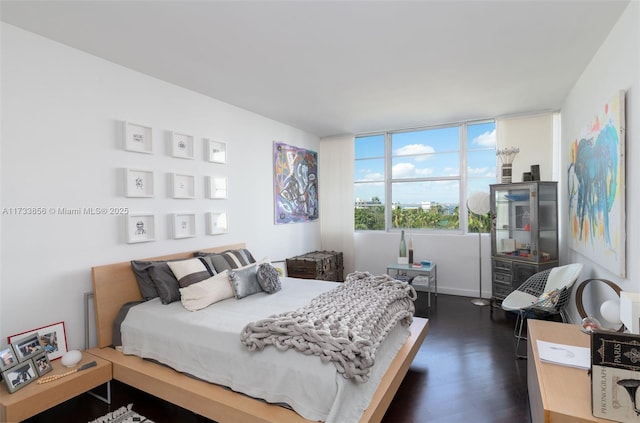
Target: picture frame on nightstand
{"type": "Point", "coordinates": [8, 358]}
{"type": "Point", "coordinates": [27, 347]}
{"type": "Point", "coordinates": [42, 363]}
{"type": "Point", "coordinates": [19, 376]}
{"type": "Point", "coordinates": [52, 338]}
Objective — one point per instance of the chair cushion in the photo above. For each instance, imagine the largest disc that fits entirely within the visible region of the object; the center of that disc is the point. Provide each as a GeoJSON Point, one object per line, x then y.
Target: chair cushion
{"type": "Point", "coordinates": [563, 276]}
{"type": "Point", "coordinates": [518, 300]}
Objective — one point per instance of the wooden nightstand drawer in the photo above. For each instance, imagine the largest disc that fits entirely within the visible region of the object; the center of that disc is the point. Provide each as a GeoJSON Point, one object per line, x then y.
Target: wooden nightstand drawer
{"type": "Point", "coordinates": [36, 398]}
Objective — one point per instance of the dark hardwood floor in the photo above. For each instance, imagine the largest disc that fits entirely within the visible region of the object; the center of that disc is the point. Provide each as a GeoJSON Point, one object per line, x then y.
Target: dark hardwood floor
{"type": "Point", "coordinates": [465, 371]}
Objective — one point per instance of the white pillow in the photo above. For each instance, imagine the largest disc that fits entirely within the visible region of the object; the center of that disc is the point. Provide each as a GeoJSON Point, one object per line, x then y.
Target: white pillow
{"type": "Point", "coordinates": [190, 271]}
{"type": "Point", "coordinates": [202, 294]}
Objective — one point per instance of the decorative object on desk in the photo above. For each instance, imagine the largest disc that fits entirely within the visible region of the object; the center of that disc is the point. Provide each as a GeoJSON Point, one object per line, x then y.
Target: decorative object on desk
{"type": "Point", "coordinates": [590, 324]}
{"type": "Point", "coordinates": [51, 378]}
{"type": "Point", "coordinates": [425, 263]}
{"type": "Point", "coordinates": [71, 358]}
{"type": "Point", "coordinates": [615, 375]}
{"type": "Point", "coordinates": [507, 155]}
{"type": "Point", "coordinates": [596, 187]}
{"type": "Point", "coordinates": [122, 415]}
{"type": "Point", "coordinates": [630, 310]}
{"type": "Point", "coordinates": [402, 250]}
{"type": "Point", "coordinates": [535, 172]}
{"type": "Point", "coordinates": [20, 375]}
{"type": "Point", "coordinates": [608, 309]}
{"type": "Point", "coordinates": [478, 203]}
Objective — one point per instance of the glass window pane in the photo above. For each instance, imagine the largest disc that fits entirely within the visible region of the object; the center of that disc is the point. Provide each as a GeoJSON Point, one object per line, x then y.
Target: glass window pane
{"type": "Point", "coordinates": [481, 135]}
{"type": "Point", "coordinates": [481, 164]}
{"type": "Point", "coordinates": [369, 207]}
{"type": "Point", "coordinates": [427, 204]}
{"type": "Point", "coordinates": [426, 166]}
{"type": "Point", "coordinates": [427, 141]}
{"type": "Point", "coordinates": [369, 146]}
{"type": "Point", "coordinates": [369, 170]}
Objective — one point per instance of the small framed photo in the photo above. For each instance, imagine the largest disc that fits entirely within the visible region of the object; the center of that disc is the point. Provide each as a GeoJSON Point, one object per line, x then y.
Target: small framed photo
{"type": "Point", "coordinates": [20, 376]}
{"type": "Point", "coordinates": [182, 186]}
{"type": "Point", "coordinates": [137, 138]}
{"type": "Point", "coordinates": [52, 338]}
{"type": "Point", "coordinates": [7, 358]}
{"type": "Point", "coordinates": [138, 183]}
{"type": "Point", "coordinates": [184, 225]}
{"type": "Point", "coordinates": [216, 187]}
{"type": "Point", "coordinates": [215, 151]}
{"type": "Point", "coordinates": [140, 227]}
{"type": "Point", "coordinates": [217, 223]}
{"type": "Point", "coordinates": [42, 363]}
{"type": "Point", "coordinates": [181, 145]}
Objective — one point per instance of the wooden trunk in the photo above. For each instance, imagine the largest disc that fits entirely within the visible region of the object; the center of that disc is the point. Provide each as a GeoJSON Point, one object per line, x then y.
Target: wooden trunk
{"type": "Point", "coordinates": [322, 265]}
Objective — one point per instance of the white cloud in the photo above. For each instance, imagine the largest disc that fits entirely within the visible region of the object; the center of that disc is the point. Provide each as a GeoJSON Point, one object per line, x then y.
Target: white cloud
{"type": "Point", "coordinates": [403, 170]}
{"type": "Point", "coordinates": [487, 139]}
{"type": "Point", "coordinates": [412, 149]}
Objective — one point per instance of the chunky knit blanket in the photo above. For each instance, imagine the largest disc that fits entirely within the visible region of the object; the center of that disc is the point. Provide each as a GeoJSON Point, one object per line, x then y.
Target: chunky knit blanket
{"type": "Point", "coordinates": [345, 325]}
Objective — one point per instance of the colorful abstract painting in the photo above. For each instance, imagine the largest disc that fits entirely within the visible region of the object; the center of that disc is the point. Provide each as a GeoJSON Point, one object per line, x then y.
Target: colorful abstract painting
{"type": "Point", "coordinates": [596, 184]}
{"type": "Point", "coordinates": [295, 184]}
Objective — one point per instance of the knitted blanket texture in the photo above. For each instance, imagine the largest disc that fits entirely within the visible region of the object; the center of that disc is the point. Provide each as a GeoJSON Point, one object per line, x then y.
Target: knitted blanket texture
{"type": "Point", "coordinates": [345, 325]}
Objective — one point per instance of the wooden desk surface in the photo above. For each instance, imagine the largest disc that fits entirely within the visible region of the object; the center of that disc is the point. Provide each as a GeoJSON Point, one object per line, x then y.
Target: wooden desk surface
{"type": "Point", "coordinates": [558, 393]}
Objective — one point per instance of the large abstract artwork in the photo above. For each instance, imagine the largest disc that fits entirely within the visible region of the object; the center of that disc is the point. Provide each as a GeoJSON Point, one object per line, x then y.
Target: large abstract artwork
{"type": "Point", "coordinates": [596, 183]}
{"type": "Point", "coordinates": [295, 183]}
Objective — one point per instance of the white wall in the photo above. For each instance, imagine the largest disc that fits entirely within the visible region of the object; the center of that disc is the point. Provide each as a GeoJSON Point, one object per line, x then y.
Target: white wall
{"type": "Point", "coordinates": [61, 147]}
{"type": "Point", "coordinates": [616, 66]}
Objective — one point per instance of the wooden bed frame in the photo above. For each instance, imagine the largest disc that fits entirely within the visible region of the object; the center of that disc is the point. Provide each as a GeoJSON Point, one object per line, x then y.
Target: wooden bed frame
{"type": "Point", "coordinates": [115, 284]}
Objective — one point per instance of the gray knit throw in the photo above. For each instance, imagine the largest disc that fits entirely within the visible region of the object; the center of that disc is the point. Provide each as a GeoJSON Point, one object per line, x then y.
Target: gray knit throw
{"type": "Point", "coordinates": [345, 325]}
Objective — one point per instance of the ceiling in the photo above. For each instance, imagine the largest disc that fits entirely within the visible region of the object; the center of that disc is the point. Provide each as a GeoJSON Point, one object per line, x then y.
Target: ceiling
{"type": "Point", "coordinates": [335, 67]}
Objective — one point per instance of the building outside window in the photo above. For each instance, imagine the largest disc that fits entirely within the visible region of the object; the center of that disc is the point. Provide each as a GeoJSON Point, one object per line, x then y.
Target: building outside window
{"type": "Point", "coordinates": [418, 179]}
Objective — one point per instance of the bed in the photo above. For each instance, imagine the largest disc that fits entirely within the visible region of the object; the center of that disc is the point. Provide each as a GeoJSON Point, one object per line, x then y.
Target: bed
{"type": "Point", "coordinates": [115, 285]}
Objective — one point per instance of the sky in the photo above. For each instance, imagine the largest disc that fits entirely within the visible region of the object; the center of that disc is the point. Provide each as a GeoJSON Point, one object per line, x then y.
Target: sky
{"type": "Point", "coordinates": [423, 154]}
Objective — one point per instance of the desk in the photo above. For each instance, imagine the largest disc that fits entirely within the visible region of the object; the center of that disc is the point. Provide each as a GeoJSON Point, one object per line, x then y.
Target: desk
{"type": "Point", "coordinates": [431, 272]}
{"type": "Point", "coordinates": [557, 394]}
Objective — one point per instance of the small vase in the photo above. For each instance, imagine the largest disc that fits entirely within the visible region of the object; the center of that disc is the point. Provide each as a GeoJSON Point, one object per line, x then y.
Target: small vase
{"type": "Point", "coordinates": [506, 173]}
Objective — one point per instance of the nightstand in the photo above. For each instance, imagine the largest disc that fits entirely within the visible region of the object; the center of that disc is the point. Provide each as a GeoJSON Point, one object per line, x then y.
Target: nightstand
{"type": "Point", "coordinates": [36, 398]}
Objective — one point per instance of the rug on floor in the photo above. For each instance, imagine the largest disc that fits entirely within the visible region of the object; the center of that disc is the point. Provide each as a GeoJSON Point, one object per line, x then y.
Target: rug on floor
{"type": "Point", "coordinates": [122, 415]}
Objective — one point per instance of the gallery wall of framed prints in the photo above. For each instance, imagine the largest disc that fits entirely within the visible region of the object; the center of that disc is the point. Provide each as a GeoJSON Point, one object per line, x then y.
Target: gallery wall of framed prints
{"type": "Point", "coordinates": [182, 184]}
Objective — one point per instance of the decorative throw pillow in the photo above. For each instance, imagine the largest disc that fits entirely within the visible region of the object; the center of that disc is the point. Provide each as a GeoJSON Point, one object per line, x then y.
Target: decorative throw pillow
{"type": "Point", "coordinates": [228, 260]}
{"type": "Point", "coordinates": [145, 283]}
{"type": "Point", "coordinates": [202, 294]}
{"type": "Point", "coordinates": [244, 281]}
{"type": "Point", "coordinates": [268, 278]}
{"type": "Point", "coordinates": [191, 271]}
{"type": "Point", "coordinates": [165, 282]}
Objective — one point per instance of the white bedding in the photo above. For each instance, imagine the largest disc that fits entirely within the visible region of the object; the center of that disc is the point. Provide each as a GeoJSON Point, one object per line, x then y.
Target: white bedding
{"type": "Point", "coordinates": [206, 344]}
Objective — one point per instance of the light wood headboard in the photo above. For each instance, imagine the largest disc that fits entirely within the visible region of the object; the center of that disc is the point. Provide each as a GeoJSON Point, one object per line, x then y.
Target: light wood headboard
{"type": "Point", "coordinates": [115, 284]}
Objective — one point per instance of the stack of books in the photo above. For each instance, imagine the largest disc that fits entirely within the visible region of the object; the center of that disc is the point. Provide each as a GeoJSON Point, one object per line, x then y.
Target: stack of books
{"type": "Point", "coordinates": [615, 376]}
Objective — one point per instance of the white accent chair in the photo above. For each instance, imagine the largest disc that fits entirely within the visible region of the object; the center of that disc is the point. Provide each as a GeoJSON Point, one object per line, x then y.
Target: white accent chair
{"type": "Point", "coordinates": [544, 294]}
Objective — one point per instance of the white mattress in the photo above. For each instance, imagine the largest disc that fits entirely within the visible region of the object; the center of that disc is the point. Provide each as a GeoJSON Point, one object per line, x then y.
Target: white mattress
{"type": "Point", "coordinates": [206, 344]}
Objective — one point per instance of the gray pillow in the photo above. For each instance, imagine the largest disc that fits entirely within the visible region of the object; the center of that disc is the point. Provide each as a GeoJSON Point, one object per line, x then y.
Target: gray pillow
{"type": "Point", "coordinates": [145, 283]}
{"type": "Point", "coordinates": [268, 278]}
{"type": "Point", "coordinates": [165, 282]}
{"type": "Point", "coordinates": [244, 281]}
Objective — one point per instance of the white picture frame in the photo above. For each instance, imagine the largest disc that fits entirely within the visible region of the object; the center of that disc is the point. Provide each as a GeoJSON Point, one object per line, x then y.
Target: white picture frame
{"type": "Point", "coordinates": [138, 183]}
{"type": "Point", "coordinates": [183, 225]}
{"type": "Point", "coordinates": [140, 227]}
{"type": "Point", "coordinates": [181, 145]}
{"type": "Point", "coordinates": [217, 222]}
{"type": "Point", "coordinates": [215, 151]}
{"type": "Point", "coordinates": [52, 338]}
{"type": "Point", "coordinates": [182, 185]}
{"type": "Point", "coordinates": [216, 187]}
{"type": "Point", "coordinates": [137, 138]}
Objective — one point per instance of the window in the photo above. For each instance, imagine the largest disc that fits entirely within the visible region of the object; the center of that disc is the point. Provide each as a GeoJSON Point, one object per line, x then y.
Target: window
{"type": "Point", "coordinates": [416, 179]}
